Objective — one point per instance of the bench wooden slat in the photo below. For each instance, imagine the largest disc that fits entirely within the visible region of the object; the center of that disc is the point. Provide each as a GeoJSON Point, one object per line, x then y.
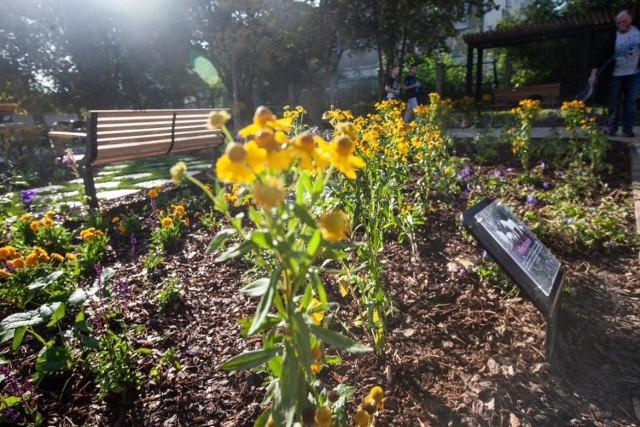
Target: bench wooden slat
{"type": "Point", "coordinates": [118, 135]}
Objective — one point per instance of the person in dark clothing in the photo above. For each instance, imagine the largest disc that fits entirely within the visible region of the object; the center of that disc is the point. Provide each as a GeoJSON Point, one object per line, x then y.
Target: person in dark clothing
{"type": "Point", "coordinates": [411, 87]}
{"type": "Point", "coordinates": [625, 76]}
{"type": "Point", "coordinates": [392, 86]}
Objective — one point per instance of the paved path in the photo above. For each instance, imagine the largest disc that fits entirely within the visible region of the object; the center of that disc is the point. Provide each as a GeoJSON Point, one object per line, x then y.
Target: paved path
{"type": "Point", "coordinates": [120, 179]}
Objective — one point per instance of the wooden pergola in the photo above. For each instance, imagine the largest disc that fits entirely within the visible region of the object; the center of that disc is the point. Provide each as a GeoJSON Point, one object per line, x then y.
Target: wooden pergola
{"type": "Point", "coordinates": [586, 26]}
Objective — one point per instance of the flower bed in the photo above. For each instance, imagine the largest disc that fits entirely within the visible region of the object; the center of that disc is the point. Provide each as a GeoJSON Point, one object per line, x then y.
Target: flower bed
{"type": "Point", "coordinates": [321, 279]}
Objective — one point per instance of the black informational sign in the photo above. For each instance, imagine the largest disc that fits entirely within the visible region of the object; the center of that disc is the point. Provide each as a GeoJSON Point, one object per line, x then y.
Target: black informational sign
{"type": "Point", "coordinates": [521, 255]}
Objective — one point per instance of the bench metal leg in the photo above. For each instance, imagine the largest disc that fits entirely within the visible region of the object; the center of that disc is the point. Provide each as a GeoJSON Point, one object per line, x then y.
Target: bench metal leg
{"type": "Point", "coordinates": [90, 186]}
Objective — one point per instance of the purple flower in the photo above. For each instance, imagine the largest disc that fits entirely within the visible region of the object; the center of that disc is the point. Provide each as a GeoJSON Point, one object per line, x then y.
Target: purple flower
{"type": "Point", "coordinates": [543, 166]}
{"type": "Point", "coordinates": [69, 159]}
{"type": "Point", "coordinates": [611, 245]}
{"type": "Point", "coordinates": [568, 220]}
{"type": "Point", "coordinates": [560, 174]}
{"type": "Point", "coordinates": [484, 254]}
{"type": "Point", "coordinates": [465, 173]}
{"type": "Point", "coordinates": [11, 413]}
{"type": "Point", "coordinates": [134, 245]}
{"type": "Point", "coordinates": [27, 196]}
{"type": "Point", "coordinates": [545, 185]}
{"type": "Point", "coordinates": [531, 199]}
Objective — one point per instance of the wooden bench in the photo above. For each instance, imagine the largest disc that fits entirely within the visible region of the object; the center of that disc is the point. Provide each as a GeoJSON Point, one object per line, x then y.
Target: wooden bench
{"type": "Point", "coordinates": [547, 94]}
{"type": "Point", "coordinates": [118, 135]}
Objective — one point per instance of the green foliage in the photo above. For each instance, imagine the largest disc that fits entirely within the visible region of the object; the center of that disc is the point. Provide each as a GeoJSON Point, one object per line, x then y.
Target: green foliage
{"type": "Point", "coordinates": [168, 360]}
{"type": "Point", "coordinates": [114, 365]}
{"type": "Point", "coordinates": [91, 249]}
{"type": "Point", "coordinates": [152, 260]}
{"type": "Point", "coordinates": [29, 159]}
{"type": "Point", "coordinates": [168, 293]}
{"type": "Point", "coordinates": [172, 226]}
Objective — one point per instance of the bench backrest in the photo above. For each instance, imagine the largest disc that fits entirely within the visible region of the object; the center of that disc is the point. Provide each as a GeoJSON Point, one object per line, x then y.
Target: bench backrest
{"type": "Point", "coordinates": [547, 94]}
{"type": "Point", "coordinates": [117, 135]}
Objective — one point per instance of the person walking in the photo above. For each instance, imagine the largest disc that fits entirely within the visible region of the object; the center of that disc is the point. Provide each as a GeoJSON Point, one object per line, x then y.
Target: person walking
{"type": "Point", "coordinates": [411, 87]}
{"type": "Point", "coordinates": [392, 86]}
{"type": "Point", "coordinates": [625, 78]}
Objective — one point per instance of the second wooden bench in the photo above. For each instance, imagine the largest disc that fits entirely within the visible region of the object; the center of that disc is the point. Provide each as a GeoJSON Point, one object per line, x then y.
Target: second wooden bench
{"type": "Point", "coordinates": [547, 94]}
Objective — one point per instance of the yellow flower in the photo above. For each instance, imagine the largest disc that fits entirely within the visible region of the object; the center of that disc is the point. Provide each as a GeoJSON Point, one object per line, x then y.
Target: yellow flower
{"type": "Point", "coordinates": [278, 158]}
{"type": "Point", "coordinates": [57, 257]}
{"type": "Point", "coordinates": [35, 225]}
{"type": "Point", "coordinates": [316, 315]}
{"type": "Point", "coordinates": [4, 274]}
{"type": "Point", "coordinates": [217, 119]}
{"type": "Point", "coordinates": [268, 194]}
{"type": "Point", "coordinates": [122, 228]}
{"type": "Point", "coordinates": [17, 263]}
{"type": "Point", "coordinates": [167, 222]}
{"type": "Point", "coordinates": [32, 259]}
{"type": "Point", "coordinates": [264, 118]}
{"type": "Point", "coordinates": [369, 404]}
{"type": "Point", "coordinates": [341, 158]}
{"type": "Point", "coordinates": [362, 418]}
{"type": "Point", "coordinates": [178, 171]}
{"type": "Point", "coordinates": [153, 193]}
{"type": "Point", "coordinates": [115, 219]}
{"type": "Point", "coordinates": [377, 394]}
{"type": "Point", "coordinates": [70, 257]}
{"type": "Point", "coordinates": [26, 217]}
{"type": "Point", "coordinates": [323, 416]}
{"type": "Point", "coordinates": [312, 151]}
{"type": "Point", "coordinates": [241, 163]}
{"type": "Point", "coordinates": [316, 353]}
{"type": "Point", "coordinates": [4, 252]}
{"type": "Point", "coordinates": [49, 213]}
{"type": "Point", "coordinates": [348, 129]}
{"type": "Point", "coordinates": [334, 226]}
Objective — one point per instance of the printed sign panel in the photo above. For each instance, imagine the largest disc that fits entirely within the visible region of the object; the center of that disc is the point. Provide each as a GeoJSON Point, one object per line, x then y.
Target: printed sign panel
{"type": "Point", "coordinates": [518, 251]}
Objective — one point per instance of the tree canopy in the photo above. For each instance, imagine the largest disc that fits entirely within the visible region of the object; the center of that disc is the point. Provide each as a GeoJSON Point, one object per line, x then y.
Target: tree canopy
{"type": "Point", "coordinates": [78, 55]}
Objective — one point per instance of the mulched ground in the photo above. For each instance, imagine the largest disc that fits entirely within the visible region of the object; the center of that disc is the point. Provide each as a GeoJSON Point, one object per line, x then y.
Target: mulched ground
{"type": "Point", "coordinates": [459, 352]}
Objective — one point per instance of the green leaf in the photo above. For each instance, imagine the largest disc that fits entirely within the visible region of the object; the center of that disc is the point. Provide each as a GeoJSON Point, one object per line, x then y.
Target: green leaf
{"type": "Point", "coordinates": [52, 359]}
{"type": "Point", "coordinates": [28, 318]}
{"type": "Point", "coordinates": [57, 315]}
{"type": "Point", "coordinates": [257, 216]}
{"type": "Point", "coordinates": [91, 342]}
{"type": "Point", "coordinates": [219, 239]}
{"type": "Point", "coordinates": [267, 324]}
{"type": "Point", "coordinates": [314, 243]}
{"type": "Point", "coordinates": [290, 386]}
{"type": "Point", "coordinates": [18, 335]}
{"type": "Point", "coordinates": [338, 340]}
{"type": "Point", "coordinates": [303, 188]}
{"type": "Point", "coordinates": [301, 341]}
{"type": "Point", "coordinates": [82, 326]}
{"type": "Point", "coordinates": [262, 239]}
{"type": "Point", "coordinates": [78, 297]}
{"type": "Point", "coordinates": [265, 303]}
{"type": "Point", "coordinates": [236, 251]}
{"type": "Point", "coordinates": [43, 282]}
{"type": "Point", "coordinates": [256, 288]}
{"type": "Point", "coordinates": [302, 214]}
{"type": "Point", "coordinates": [144, 350]}
{"type": "Point", "coordinates": [249, 359]}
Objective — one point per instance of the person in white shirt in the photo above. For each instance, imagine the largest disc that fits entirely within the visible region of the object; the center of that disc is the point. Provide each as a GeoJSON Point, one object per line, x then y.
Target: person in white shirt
{"type": "Point", "coordinates": [625, 78]}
